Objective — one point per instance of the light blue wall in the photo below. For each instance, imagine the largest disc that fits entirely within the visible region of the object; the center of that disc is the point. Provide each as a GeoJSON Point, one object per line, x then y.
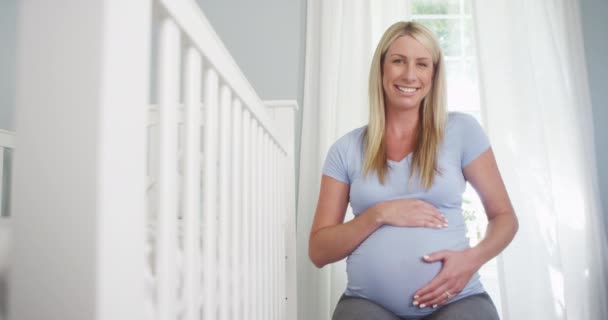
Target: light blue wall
{"type": "Point", "coordinates": [595, 29]}
{"type": "Point", "coordinates": [8, 21]}
{"type": "Point", "coordinates": [265, 39]}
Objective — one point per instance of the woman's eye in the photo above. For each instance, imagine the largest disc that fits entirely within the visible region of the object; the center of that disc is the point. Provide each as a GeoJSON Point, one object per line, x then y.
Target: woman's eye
{"type": "Point", "coordinates": [397, 61]}
{"type": "Point", "coordinates": [423, 64]}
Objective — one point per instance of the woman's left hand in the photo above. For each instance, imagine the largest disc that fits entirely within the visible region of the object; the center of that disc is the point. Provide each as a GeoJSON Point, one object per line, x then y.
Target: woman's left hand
{"type": "Point", "coordinates": [458, 268]}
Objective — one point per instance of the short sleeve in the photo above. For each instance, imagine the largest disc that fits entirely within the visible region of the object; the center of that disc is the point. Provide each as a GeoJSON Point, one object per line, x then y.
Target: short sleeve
{"type": "Point", "coordinates": [474, 140]}
{"type": "Point", "coordinates": [336, 165]}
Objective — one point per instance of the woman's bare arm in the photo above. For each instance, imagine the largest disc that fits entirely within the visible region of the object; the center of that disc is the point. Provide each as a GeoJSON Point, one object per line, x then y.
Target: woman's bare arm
{"type": "Point", "coordinates": [330, 239]}
{"type": "Point", "coordinates": [485, 178]}
{"type": "Point", "coordinates": [459, 266]}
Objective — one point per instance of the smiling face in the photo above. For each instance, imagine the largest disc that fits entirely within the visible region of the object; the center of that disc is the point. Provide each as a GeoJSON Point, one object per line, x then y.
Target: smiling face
{"type": "Point", "coordinates": [407, 73]}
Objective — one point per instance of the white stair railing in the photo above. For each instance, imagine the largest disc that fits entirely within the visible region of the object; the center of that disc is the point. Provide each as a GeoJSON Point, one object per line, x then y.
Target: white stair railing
{"type": "Point", "coordinates": [7, 144]}
{"type": "Point", "coordinates": [189, 205]}
{"type": "Point", "coordinates": [7, 148]}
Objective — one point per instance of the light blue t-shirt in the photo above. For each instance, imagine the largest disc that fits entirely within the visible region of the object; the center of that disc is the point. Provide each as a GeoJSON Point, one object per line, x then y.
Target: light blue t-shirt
{"type": "Point", "coordinates": [387, 267]}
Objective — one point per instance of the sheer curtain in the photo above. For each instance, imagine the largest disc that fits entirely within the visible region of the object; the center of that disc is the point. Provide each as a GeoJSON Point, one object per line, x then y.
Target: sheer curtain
{"type": "Point", "coordinates": [341, 36]}
{"type": "Point", "coordinates": [538, 116]}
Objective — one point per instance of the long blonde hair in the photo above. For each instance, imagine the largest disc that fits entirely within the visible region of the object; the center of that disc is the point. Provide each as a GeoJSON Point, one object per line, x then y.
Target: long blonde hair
{"type": "Point", "coordinates": [432, 117]}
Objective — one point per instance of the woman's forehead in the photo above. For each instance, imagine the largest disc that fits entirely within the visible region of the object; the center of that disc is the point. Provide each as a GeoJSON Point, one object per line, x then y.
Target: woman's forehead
{"type": "Point", "coordinates": [408, 46]}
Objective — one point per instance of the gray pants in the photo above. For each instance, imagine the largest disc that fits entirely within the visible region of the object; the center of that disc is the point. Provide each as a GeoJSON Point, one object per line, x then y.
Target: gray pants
{"type": "Point", "coordinates": [474, 307]}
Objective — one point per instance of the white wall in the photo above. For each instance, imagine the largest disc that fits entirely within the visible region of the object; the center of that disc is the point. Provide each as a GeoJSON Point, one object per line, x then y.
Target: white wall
{"type": "Point", "coordinates": [8, 19]}
{"type": "Point", "coordinates": [595, 27]}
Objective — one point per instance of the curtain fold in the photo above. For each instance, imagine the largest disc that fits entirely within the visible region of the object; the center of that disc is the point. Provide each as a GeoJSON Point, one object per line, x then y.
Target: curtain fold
{"type": "Point", "coordinates": [340, 38]}
{"type": "Point", "coordinates": [538, 115]}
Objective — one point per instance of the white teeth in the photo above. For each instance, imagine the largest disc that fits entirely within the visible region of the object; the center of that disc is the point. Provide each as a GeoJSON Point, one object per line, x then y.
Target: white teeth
{"type": "Point", "coordinates": [406, 90]}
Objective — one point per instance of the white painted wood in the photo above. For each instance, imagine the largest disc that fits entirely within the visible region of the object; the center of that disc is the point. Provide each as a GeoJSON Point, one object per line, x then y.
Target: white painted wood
{"type": "Point", "coordinates": [284, 113]}
{"type": "Point", "coordinates": [265, 256]}
{"type": "Point", "coordinates": [254, 211]}
{"type": "Point", "coordinates": [247, 209]}
{"type": "Point", "coordinates": [271, 231]}
{"type": "Point", "coordinates": [66, 206]}
{"type": "Point", "coordinates": [281, 239]}
{"type": "Point", "coordinates": [124, 90]}
{"type": "Point", "coordinates": [169, 84]}
{"type": "Point", "coordinates": [100, 102]}
{"type": "Point", "coordinates": [210, 186]}
{"type": "Point", "coordinates": [260, 223]}
{"type": "Point", "coordinates": [282, 236]}
{"type": "Point", "coordinates": [192, 190]}
{"type": "Point", "coordinates": [273, 241]}
{"type": "Point", "coordinates": [270, 228]}
{"type": "Point", "coordinates": [225, 203]}
{"type": "Point", "coordinates": [237, 209]}
{"type": "Point", "coordinates": [2, 180]}
{"type": "Point", "coordinates": [6, 142]}
{"type": "Point", "coordinates": [276, 231]}
{"type": "Point", "coordinates": [7, 139]}
{"type": "Point", "coordinates": [64, 191]}
{"type": "Point", "coordinates": [194, 23]}
{"type": "Point", "coordinates": [285, 248]}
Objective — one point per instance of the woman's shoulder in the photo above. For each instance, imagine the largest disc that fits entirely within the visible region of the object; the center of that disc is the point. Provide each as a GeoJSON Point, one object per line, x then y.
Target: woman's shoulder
{"type": "Point", "coordinates": [460, 122]}
{"type": "Point", "coordinates": [349, 145]}
{"type": "Point", "coordinates": [465, 132]}
{"type": "Point", "coordinates": [343, 155]}
{"type": "Point", "coordinates": [460, 118]}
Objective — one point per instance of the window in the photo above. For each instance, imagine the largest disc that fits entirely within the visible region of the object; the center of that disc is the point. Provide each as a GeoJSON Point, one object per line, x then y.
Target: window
{"type": "Point", "coordinates": [452, 21]}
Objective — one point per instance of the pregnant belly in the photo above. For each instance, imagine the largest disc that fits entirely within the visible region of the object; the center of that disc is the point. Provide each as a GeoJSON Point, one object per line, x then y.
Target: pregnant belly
{"type": "Point", "coordinates": [388, 268]}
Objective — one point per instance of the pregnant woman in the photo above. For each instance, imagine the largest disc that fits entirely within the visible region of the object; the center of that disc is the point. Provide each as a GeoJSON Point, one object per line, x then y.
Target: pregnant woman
{"type": "Point", "coordinates": [404, 175]}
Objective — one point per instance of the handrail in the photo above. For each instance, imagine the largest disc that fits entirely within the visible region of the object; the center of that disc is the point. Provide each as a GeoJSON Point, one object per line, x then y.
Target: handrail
{"type": "Point", "coordinates": [234, 156]}
{"type": "Point", "coordinates": [192, 21]}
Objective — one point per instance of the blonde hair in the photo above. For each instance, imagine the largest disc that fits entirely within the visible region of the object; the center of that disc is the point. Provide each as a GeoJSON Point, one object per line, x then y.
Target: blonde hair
{"type": "Point", "coordinates": [431, 121]}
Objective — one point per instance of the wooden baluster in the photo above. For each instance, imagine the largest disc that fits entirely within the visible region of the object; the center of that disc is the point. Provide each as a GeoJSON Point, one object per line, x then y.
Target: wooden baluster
{"type": "Point", "coordinates": [192, 180]}
{"type": "Point", "coordinates": [169, 82]}
{"type": "Point", "coordinates": [210, 194]}
{"type": "Point", "coordinates": [225, 211]}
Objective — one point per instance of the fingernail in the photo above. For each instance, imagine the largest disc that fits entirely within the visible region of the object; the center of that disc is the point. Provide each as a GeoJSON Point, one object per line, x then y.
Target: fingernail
{"type": "Point", "coordinates": [422, 306]}
{"type": "Point", "coordinates": [415, 303]}
{"type": "Point", "coordinates": [445, 225]}
{"type": "Point", "coordinates": [434, 306]}
{"type": "Point", "coordinates": [438, 226]}
{"type": "Point", "coordinates": [416, 296]}
{"type": "Point", "coordinates": [426, 257]}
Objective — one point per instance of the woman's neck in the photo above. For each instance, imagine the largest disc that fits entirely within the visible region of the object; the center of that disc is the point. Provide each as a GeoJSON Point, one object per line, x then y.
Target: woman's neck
{"type": "Point", "coordinates": [401, 124]}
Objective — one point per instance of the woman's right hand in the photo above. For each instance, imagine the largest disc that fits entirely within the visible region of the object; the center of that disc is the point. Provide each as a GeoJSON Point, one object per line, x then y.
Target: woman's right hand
{"type": "Point", "coordinates": [410, 213]}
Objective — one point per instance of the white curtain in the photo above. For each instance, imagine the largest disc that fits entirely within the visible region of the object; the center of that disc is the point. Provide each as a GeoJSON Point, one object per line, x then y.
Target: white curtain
{"type": "Point", "coordinates": [341, 36]}
{"type": "Point", "coordinates": [538, 116]}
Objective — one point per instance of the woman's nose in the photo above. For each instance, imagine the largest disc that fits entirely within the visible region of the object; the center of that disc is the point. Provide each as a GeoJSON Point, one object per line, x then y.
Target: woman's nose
{"type": "Point", "coordinates": [409, 73]}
